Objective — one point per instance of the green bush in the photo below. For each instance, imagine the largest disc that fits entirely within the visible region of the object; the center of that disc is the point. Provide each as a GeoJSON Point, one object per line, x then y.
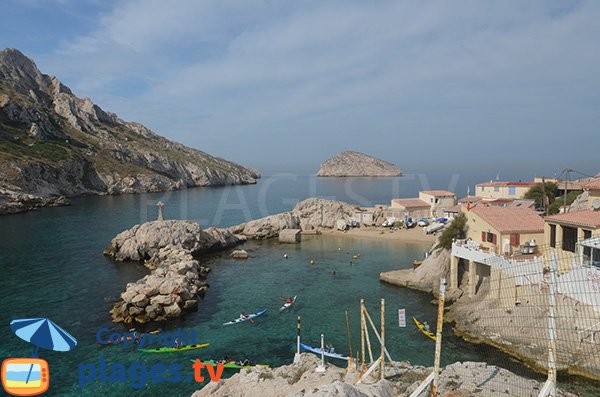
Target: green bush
{"type": "Point", "coordinates": [454, 231]}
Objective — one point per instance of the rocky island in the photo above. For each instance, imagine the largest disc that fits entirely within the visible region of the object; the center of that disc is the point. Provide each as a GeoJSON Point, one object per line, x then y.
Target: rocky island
{"type": "Point", "coordinates": [349, 163]}
{"type": "Point", "coordinates": [54, 145]}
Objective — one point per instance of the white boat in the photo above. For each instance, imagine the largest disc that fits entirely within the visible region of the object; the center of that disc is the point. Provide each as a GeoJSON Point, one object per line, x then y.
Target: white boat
{"type": "Point", "coordinates": [287, 305]}
{"type": "Point", "coordinates": [327, 354]}
{"type": "Point", "coordinates": [434, 228]}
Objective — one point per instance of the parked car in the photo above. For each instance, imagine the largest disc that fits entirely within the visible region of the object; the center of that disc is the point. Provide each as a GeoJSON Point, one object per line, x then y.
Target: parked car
{"type": "Point", "coordinates": [441, 220]}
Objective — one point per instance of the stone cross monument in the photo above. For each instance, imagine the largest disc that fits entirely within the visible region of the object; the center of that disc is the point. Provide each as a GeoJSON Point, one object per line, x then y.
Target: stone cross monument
{"type": "Point", "coordinates": [160, 206]}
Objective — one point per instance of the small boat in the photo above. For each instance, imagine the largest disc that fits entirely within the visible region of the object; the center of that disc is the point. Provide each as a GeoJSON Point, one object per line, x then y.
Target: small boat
{"type": "Point", "coordinates": [434, 228]}
{"type": "Point", "coordinates": [173, 349]}
{"type": "Point", "coordinates": [287, 305]}
{"type": "Point", "coordinates": [231, 364]}
{"type": "Point", "coordinates": [420, 326]}
{"type": "Point", "coordinates": [317, 351]}
{"type": "Point", "coordinates": [248, 317]}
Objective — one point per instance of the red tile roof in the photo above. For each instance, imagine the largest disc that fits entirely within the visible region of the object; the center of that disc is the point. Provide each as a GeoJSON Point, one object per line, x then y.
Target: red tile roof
{"type": "Point", "coordinates": [592, 184]}
{"type": "Point", "coordinates": [510, 219]}
{"type": "Point", "coordinates": [411, 203]}
{"type": "Point", "coordinates": [497, 183]}
{"type": "Point", "coordinates": [438, 193]}
{"type": "Point", "coordinates": [586, 218]}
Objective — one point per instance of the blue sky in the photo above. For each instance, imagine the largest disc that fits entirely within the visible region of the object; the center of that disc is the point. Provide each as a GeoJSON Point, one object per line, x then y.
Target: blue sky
{"type": "Point", "coordinates": [495, 84]}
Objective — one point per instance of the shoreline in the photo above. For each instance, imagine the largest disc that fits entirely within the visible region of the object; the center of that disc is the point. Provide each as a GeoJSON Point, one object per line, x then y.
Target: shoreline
{"type": "Point", "coordinates": [415, 235]}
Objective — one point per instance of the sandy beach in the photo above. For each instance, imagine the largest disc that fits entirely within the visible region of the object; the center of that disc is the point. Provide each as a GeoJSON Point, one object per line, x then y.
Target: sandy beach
{"type": "Point", "coordinates": [416, 235]}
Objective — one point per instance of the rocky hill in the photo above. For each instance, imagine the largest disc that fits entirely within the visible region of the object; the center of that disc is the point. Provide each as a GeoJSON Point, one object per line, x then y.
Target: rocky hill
{"type": "Point", "coordinates": [350, 163]}
{"type": "Point", "coordinates": [54, 144]}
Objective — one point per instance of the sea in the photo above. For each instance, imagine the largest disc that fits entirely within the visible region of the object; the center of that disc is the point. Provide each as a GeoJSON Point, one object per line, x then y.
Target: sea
{"type": "Point", "coordinates": [52, 267]}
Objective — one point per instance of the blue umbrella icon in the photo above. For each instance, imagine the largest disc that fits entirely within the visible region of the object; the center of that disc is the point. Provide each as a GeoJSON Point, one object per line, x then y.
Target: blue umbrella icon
{"type": "Point", "coordinates": [43, 333]}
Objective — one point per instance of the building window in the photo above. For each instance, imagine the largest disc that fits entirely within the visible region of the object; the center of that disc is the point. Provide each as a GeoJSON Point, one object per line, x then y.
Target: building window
{"type": "Point", "coordinates": [488, 237]}
{"type": "Point", "coordinates": [512, 191]}
{"type": "Point", "coordinates": [515, 240]}
{"type": "Point", "coordinates": [553, 236]}
{"type": "Point", "coordinates": [569, 238]}
{"type": "Point", "coordinates": [496, 189]}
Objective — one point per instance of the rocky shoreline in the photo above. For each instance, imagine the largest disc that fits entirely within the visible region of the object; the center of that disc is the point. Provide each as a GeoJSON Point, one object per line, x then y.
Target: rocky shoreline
{"type": "Point", "coordinates": [468, 379]}
{"type": "Point", "coordinates": [170, 249]}
{"type": "Point", "coordinates": [55, 145]}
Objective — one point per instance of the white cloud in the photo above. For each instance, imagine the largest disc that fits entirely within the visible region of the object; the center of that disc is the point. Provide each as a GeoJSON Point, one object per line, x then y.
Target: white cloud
{"type": "Point", "coordinates": [219, 72]}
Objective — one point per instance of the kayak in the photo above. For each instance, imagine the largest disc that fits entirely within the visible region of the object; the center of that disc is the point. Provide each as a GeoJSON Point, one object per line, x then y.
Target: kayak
{"type": "Point", "coordinates": [173, 349]}
{"type": "Point", "coordinates": [249, 317]}
{"type": "Point", "coordinates": [129, 338]}
{"type": "Point", "coordinates": [231, 364]}
{"type": "Point", "coordinates": [327, 354]}
{"type": "Point", "coordinates": [287, 305]}
{"type": "Point", "coordinates": [420, 326]}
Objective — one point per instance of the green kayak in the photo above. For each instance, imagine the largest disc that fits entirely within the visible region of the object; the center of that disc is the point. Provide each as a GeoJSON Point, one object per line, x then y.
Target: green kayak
{"type": "Point", "coordinates": [231, 364]}
{"type": "Point", "coordinates": [173, 349]}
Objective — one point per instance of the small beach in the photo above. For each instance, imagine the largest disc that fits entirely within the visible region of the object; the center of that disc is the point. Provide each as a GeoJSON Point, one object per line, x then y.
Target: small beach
{"type": "Point", "coordinates": [414, 235]}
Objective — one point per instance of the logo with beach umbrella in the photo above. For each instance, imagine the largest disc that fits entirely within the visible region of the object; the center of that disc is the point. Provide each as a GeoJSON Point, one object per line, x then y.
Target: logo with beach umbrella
{"type": "Point", "coordinates": [31, 376]}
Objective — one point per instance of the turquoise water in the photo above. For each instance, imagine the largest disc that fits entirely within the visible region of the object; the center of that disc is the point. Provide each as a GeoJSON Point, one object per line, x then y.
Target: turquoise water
{"type": "Point", "coordinates": [52, 267]}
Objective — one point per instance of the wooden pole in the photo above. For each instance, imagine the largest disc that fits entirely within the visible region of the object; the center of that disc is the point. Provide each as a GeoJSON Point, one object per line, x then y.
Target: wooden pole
{"type": "Point", "coordinates": [377, 334]}
{"type": "Point", "coordinates": [362, 332]}
{"type": "Point", "coordinates": [438, 339]}
{"type": "Point", "coordinates": [350, 364]}
{"type": "Point", "coordinates": [367, 337]}
{"type": "Point", "coordinates": [382, 338]}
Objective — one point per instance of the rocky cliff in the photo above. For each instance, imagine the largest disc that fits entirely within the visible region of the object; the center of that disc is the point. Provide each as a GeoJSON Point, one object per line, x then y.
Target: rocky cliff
{"type": "Point", "coordinates": [54, 144]}
{"type": "Point", "coordinates": [350, 163]}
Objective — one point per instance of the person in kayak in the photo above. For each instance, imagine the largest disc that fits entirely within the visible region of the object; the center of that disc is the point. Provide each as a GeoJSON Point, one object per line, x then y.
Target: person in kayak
{"type": "Point", "coordinates": [289, 300]}
{"type": "Point", "coordinates": [426, 327]}
{"type": "Point", "coordinates": [244, 316]}
{"type": "Point", "coordinates": [243, 362]}
{"type": "Point", "coordinates": [136, 337]}
{"type": "Point", "coordinates": [178, 345]}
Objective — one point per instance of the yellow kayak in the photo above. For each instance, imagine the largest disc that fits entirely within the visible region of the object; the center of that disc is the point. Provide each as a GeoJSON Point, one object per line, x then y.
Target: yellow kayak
{"type": "Point", "coordinates": [420, 326]}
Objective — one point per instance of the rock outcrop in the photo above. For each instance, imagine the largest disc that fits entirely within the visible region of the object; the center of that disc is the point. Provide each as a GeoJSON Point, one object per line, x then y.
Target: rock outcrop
{"type": "Point", "coordinates": [468, 379]}
{"type": "Point", "coordinates": [350, 163]}
{"type": "Point", "coordinates": [424, 278]}
{"type": "Point", "coordinates": [307, 215]}
{"type": "Point", "coordinates": [170, 249]}
{"type": "Point", "coordinates": [54, 144]}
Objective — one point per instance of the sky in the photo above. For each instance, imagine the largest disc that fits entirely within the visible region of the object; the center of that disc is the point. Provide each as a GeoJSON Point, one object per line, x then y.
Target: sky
{"type": "Point", "coordinates": [283, 84]}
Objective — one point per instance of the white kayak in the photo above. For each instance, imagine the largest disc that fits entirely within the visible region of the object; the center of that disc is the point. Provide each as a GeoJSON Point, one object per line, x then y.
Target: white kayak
{"type": "Point", "coordinates": [287, 305]}
{"type": "Point", "coordinates": [327, 354]}
{"type": "Point", "coordinates": [248, 317]}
